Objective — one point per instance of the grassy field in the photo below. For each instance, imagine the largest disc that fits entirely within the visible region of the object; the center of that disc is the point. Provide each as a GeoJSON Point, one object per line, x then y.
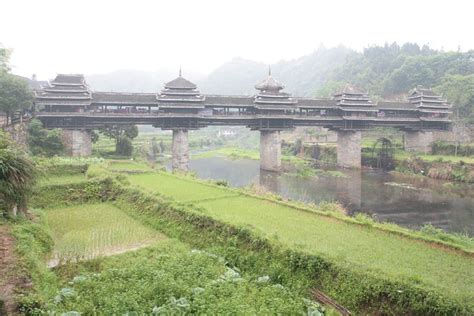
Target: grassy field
{"type": "Point", "coordinates": [359, 247]}
{"type": "Point", "coordinates": [401, 155]}
{"type": "Point", "coordinates": [90, 230]}
{"type": "Point", "coordinates": [65, 179]}
{"type": "Point", "coordinates": [119, 165]}
{"type": "Point", "coordinates": [182, 190]}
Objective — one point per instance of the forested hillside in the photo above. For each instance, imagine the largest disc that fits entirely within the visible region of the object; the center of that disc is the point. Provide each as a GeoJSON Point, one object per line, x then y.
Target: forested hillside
{"type": "Point", "coordinates": [387, 72]}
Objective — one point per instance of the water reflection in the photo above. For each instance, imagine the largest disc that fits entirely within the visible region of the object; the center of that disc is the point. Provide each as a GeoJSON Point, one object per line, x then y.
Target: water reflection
{"type": "Point", "coordinates": [405, 200]}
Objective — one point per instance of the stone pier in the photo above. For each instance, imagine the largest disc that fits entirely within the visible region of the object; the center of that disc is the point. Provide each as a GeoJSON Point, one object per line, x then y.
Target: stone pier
{"type": "Point", "coordinates": [180, 150]}
{"type": "Point", "coordinates": [77, 143]}
{"type": "Point", "coordinates": [349, 149]}
{"type": "Point", "coordinates": [418, 141]}
{"type": "Point", "coordinates": [270, 150]}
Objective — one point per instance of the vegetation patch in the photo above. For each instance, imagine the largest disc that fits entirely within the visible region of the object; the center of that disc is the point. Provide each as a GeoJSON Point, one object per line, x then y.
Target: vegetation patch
{"type": "Point", "coordinates": [91, 230]}
{"type": "Point", "coordinates": [171, 278]}
{"type": "Point", "coordinates": [179, 188]}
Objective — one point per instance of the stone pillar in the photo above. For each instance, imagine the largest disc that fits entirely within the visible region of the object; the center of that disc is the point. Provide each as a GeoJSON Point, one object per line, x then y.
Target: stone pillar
{"type": "Point", "coordinates": [418, 141]}
{"type": "Point", "coordinates": [270, 150]}
{"type": "Point", "coordinates": [349, 149]}
{"type": "Point", "coordinates": [77, 143]}
{"type": "Point", "coordinates": [180, 150]}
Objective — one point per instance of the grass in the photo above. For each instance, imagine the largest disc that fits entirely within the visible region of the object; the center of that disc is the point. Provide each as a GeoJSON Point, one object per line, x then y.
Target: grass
{"type": "Point", "coordinates": [128, 166]}
{"type": "Point", "coordinates": [182, 190]}
{"type": "Point", "coordinates": [65, 179]}
{"type": "Point", "coordinates": [231, 152]}
{"type": "Point", "coordinates": [358, 247]}
{"type": "Point", "coordinates": [91, 230]}
{"type": "Point", "coordinates": [402, 155]}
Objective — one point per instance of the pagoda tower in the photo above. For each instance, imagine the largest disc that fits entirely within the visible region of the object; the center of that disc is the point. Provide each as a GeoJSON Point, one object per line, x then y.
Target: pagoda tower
{"type": "Point", "coordinates": [433, 112]}
{"type": "Point", "coordinates": [270, 99]}
{"type": "Point", "coordinates": [66, 93]}
{"type": "Point", "coordinates": [180, 95]}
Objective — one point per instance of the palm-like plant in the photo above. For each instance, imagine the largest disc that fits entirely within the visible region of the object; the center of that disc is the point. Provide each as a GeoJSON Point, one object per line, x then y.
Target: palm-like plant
{"type": "Point", "coordinates": [17, 177]}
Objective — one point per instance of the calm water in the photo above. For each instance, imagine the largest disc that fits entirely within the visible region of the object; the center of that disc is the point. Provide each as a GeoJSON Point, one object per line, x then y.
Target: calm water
{"type": "Point", "coordinates": [405, 200]}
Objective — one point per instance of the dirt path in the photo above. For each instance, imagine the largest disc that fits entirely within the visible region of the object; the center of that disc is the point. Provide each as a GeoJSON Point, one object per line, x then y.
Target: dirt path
{"type": "Point", "coordinates": [8, 280]}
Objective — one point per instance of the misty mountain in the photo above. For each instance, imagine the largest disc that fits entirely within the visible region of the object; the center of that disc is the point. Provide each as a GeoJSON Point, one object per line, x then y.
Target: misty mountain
{"type": "Point", "coordinates": [302, 76]}
{"type": "Point", "coordinates": [388, 72]}
{"type": "Point", "coordinates": [135, 80]}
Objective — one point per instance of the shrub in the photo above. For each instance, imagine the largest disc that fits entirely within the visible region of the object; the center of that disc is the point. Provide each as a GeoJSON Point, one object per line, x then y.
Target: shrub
{"type": "Point", "coordinates": [124, 146]}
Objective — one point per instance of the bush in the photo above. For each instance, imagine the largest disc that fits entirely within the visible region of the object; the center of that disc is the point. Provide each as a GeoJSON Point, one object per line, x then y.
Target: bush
{"type": "Point", "coordinates": [124, 146]}
{"type": "Point", "coordinates": [444, 148]}
{"type": "Point", "coordinates": [42, 141]}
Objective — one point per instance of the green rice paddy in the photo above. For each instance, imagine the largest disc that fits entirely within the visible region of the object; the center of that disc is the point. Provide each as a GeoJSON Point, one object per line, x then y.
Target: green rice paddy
{"type": "Point", "coordinates": [91, 230]}
{"type": "Point", "coordinates": [364, 248]}
{"type": "Point", "coordinates": [178, 188]}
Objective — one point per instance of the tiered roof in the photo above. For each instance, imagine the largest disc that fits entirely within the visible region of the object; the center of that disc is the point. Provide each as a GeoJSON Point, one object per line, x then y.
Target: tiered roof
{"type": "Point", "coordinates": [180, 93]}
{"type": "Point", "coordinates": [65, 90]}
{"type": "Point", "coordinates": [427, 98]}
{"type": "Point", "coordinates": [270, 96]}
{"type": "Point", "coordinates": [353, 99]}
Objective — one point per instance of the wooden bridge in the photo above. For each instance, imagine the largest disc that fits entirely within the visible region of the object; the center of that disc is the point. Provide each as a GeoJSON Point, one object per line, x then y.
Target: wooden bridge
{"type": "Point", "coordinates": [68, 103]}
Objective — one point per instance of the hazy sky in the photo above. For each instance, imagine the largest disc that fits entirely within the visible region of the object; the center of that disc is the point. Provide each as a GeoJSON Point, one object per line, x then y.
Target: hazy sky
{"type": "Point", "coordinates": [83, 36]}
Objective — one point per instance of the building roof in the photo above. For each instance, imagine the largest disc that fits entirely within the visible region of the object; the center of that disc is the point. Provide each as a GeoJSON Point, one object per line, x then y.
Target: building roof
{"type": "Point", "coordinates": [350, 89]}
{"type": "Point", "coordinates": [316, 103]}
{"type": "Point", "coordinates": [270, 94]}
{"type": "Point", "coordinates": [124, 98]}
{"type": "Point", "coordinates": [224, 100]}
{"type": "Point", "coordinates": [180, 83]}
{"type": "Point", "coordinates": [392, 105]}
{"type": "Point", "coordinates": [351, 96]}
{"type": "Point", "coordinates": [69, 79]}
{"type": "Point", "coordinates": [420, 91]}
{"type": "Point", "coordinates": [180, 91]}
{"type": "Point", "coordinates": [269, 84]}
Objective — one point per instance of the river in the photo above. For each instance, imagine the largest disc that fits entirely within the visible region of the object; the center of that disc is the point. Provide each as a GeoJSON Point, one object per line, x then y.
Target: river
{"type": "Point", "coordinates": [410, 201]}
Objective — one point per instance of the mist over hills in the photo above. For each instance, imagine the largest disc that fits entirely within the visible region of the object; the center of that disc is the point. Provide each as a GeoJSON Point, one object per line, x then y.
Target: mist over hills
{"type": "Point", "coordinates": [134, 80]}
{"type": "Point", "coordinates": [302, 76]}
{"type": "Point", "coordinates": [386, 72]}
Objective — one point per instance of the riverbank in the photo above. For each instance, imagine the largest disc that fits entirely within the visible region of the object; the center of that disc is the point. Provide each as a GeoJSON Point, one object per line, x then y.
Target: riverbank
{"type": "Point", "coordinates": [359, 249]}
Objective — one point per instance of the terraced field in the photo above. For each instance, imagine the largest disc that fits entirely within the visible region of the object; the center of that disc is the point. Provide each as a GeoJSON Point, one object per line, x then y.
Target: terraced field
{"type": "Point", "coordinates": [178, 188]}
{"type": "Point", "coordinates": [91, 230]}
{"type": "Point", "coordinates": [365, 248]}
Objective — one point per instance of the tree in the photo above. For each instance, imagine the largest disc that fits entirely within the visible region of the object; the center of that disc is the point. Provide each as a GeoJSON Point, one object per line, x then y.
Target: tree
{"type": "Point", "coordinates": [122, 134]}
{"type": "Point", "coordinates": [44, 142]}
{"type": "Point", "coordinates": [14, 94]}
{"type": "Point", "coordinates": [459, 90]}
{"type": "Point", "coordinates": [17, 177]}
{"type": "Point", "coordinates": [4, 58]}
{"type": "Point", "coordinates": [124, 146]}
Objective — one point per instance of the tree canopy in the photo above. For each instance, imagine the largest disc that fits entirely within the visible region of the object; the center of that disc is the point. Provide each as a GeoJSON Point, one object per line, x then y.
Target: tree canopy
{"type": "Point", "coordinates": [14, 92]}
{"type": "Point", "coordinates": [4, 58]}
{"type": "Point", "coordinates": [42, 141]}
{"type": "Point", "coordinates": [123, 135]}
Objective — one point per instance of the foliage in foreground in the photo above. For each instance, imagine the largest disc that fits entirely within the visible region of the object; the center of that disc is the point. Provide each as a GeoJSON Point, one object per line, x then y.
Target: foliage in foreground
{"type": "Point", "coordinates": [171, 279]}
{"type": "Point", "coordinates": [359, 290]}
{"type": "Point", "coordinates": [17, 177]}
